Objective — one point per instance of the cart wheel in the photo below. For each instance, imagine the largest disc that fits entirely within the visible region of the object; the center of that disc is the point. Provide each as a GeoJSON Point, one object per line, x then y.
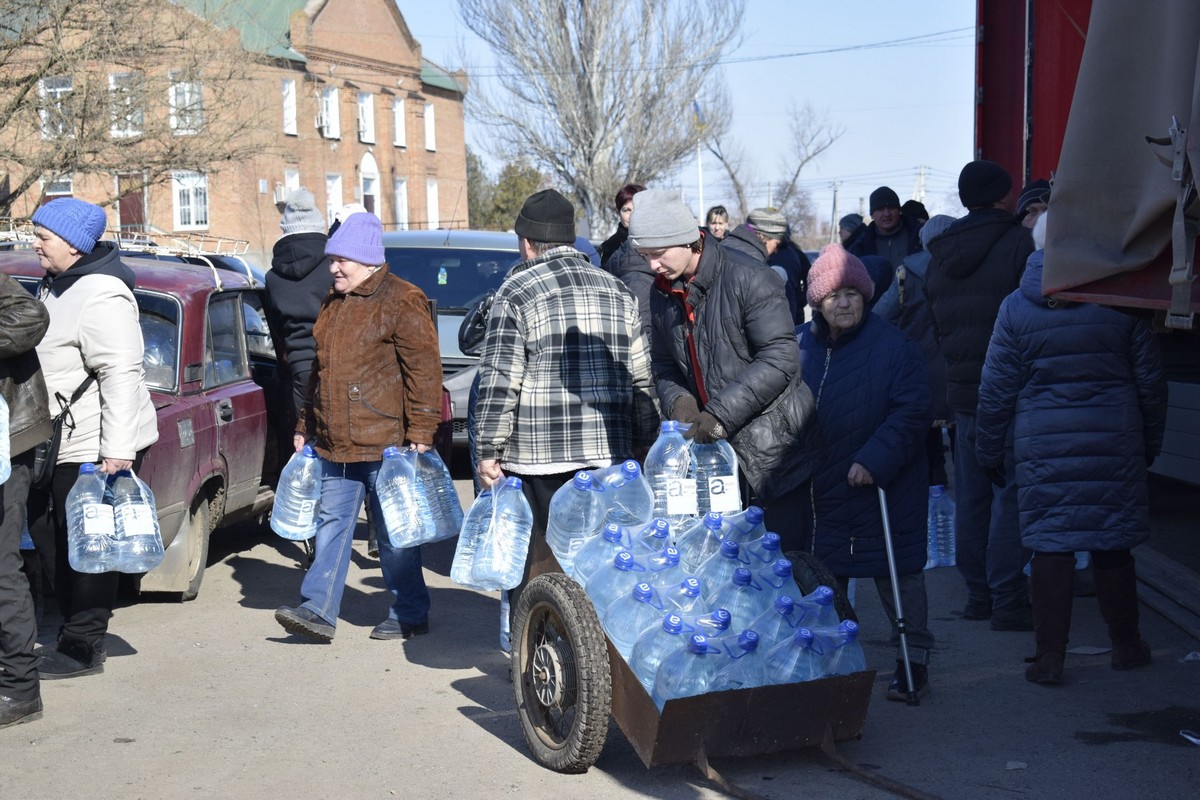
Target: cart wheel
{"type": "Point", "coordinates": [560, 674]}
{"type": "Point", "coordinates": [811, 572]}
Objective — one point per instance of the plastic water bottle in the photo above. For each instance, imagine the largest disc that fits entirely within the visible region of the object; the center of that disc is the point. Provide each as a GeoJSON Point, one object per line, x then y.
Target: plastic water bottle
{"type": "Point", "coordinates": [779, 578]}
{"type": "Point", "coordinates": [941, 528]}
{"type": "Point", "coordinates": [91, 527]}
{"type": "Point", "coordinates": [664, 568]}
{"type": "Point", "coordinates": [714, 624]}
{"type": "Point", "coordinates": [5, 443]}
{"type": "Point", "coordinates": [475, 525]}
{"type": "Point", "coordinates": [699, 541]}
{"type": "Point", "coordinates": [298, 498]}
{"type": "Point", "coordinates": [796, 659]}
{"type": "Point", "coordinates": [718, 569]}
{"type": "Point", "coordinates": [653, 645]}
{"type": "Point", "coordinates": [743, 597]}
{"type": "Point", "coordinates": [435, 483]}
{"type": "Point", "coordinates": [629, 498]}
{"type": "Point", "coordinates": [671, 474]}
{"type": "Point", "coordinates": [716, 478]}
{"type": "Point", "coordinates": [576, 510]}
{"type": "Point", "coordinates": [630, 615]}
{"type": "Point", "coordinates": [597, 552]}
{"type": "Point", "coordinates": [406, 515]}
{"type": "Point", "coordinates": [745, 665]}
{"type": "Point", "coordinates": [744, 527]}
{"type": "Point", "coordinates": [777, 623]}
{"type": "Point", "coordinates": [763, 551]}
{"type": "Point", "coordinates": [686, 598]}
{"type": "Point", "coordinates": [441, 276]}
{"type": "Point", "coordinates": [499, 561]}
{"type": "Point", "coordinates": [139, 545]}
{"type": "Point", "coordinates": [618, 578]}
{"type": "Point", "coordinates": [651, 537]}
{"type": "Point", "coordinates": [690, 671]}
{"type": "Point", "coordinates": [843, 653]}
{"type": "Point", "coordinates": [817, 609]}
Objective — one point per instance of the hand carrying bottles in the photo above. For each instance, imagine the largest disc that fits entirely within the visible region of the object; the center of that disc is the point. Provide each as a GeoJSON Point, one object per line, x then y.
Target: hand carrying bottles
{"type": "Point", "coordinates": [499, 561]}
{"type": "Point", "coordinates": [716, 478]}
{"type": "Point", "coordinates": [576, 510]}
{"type": "Point", "coordinates": [406, 516]}
{"type": "Point", "coordinates": [475, 526]}
{"type": "Point", "coordinates": [139, 545]}
{"type": "Point", "coordinates": [435, 483]}
{"type": "Point", "coordinates": [298, 496]}
{"type": "Point", "coordinates": [91, 527]}
{"type": "Point", "coordinates": [671, 474]}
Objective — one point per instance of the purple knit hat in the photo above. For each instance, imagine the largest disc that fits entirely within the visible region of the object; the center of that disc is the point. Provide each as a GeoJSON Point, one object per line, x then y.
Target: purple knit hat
{"type": "Point", "coordinates": [836, 268]}
{"type": "Point", "coordinates": [359, 238]}
{"type": "Point", "coordinates": [77, 222]}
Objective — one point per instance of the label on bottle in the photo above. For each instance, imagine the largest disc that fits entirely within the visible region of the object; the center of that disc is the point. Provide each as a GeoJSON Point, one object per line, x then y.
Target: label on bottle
{"type": "Point", "coordinates": [723, 496]}
{"type": "Point", "coordinates": [305, 513]}
{"type": "Point", "coordinates": [681, 497]}
{"type": "Point", "coordinates": [98, 520]}
{"type": "Point", "coordinates": [136, 519]}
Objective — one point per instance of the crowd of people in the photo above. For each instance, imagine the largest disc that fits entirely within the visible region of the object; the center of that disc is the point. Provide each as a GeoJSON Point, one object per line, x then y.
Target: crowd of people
{"type": "Point", "coordinates": [918, 325]}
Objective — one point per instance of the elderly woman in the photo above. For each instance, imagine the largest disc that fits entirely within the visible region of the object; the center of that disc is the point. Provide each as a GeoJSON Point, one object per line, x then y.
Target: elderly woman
{"type": "Point", "coordinates": [93, 344]}
{"type": "Point", "coordinates": [376, 381]}
{"type": "Point", "coordinates": [873, 410]}
{"type": "Point", "coordinates": [1080, 389]}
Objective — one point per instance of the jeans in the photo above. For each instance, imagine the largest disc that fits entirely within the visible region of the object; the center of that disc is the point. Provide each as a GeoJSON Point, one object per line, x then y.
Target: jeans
{"type": "Point", "coordinates": [18, 631]}
{"type": "Point", "coordinates": [987, 532]}
{"type": "Point", "coordinates": [343, 488]}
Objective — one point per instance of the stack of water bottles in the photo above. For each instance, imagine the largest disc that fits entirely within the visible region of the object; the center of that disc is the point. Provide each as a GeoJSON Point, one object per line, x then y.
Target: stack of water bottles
{"type": "Point", "coordinates": [494, 540]}
{"type": "Point", "coordinates": [112, 523]}
{"type": "Point", "coordinates": [691, 589]}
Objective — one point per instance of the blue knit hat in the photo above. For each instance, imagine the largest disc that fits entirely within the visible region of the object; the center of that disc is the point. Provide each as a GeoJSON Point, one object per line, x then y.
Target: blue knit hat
{"type": "Point", "coordinates": [359, 238]}
{"type": "Point", "coordinates": [76, 222]}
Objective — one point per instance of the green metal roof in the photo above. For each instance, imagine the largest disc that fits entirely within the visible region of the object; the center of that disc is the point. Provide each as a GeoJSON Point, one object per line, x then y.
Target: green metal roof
{"type": "Point", "coordinates": [263, 23]}
{"type": "Point", "coordinates": [433, 75]}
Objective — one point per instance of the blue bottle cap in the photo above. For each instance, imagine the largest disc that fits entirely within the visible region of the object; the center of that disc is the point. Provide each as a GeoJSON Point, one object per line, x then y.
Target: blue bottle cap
{"type": "Point", "coordinates": [661, 525]}
{"type": "Point", "coordinates": [823, 595]}
{"type": "Point", "coordinates": [613, 533]}
{"type": "Point", "coordinates": [803, 636]}
{"type": "Point", "coordinates": [784, 605]}
{"type": "Point", "coordinates": [582, 481]}
{"type": "Point", "coordinates": [623, 561]}
{"type": "Point", "coordinates": [849, 629]}
{"type": "Point", "coordinates": [748, 640]}
{"type": "Point", "coordinates": [722, 619]}
{"type": "Point", "coordinates": [671, 556]}
{"type": "Point", "coordinates": [391, 452]}
{"type": "Point", "coordinates": [668, 426]}
{"type": "Point", "coordinates": [712, 520]}
{"type": "Point", "coordinates": [697, 644]}
{"type": "Point", "coordinates": [514, 484]}
{"type": "Point", "coordinates": [309, 451]}
{"type": "Point", "coordinates": [87, 469]}
{"type": "Point", "coordinates": [741, 577]}
{"type": "Point", "coordinates": [729, 549]}
{"type": "Point", "coordinates": [754, 515]}
{"type": "Point", "coordinates": [770, 541]}
{"type": "Point", "coordinates": [630, 470]}
{"type": "Point", "coordinates": [673, 623]}
{"type": "Point", "coordinates": [781, 567]}
{"type": "Point", "coordinates": [658, 529]}
{"type": "Point", "coordinates": [690, 586]}
{"type": "Point", "coordinates": [643, 593]}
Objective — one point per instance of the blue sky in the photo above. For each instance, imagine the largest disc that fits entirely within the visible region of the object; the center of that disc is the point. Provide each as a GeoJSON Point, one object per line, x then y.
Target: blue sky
{"type": "Point", "coordinates": [902, 106]}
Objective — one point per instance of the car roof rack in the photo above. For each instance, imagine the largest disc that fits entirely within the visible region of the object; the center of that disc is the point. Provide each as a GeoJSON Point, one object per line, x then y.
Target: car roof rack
{"type": "Point", "coordinates": [198, 246]}
{"type": "Point", "coordinates": [15, 229]}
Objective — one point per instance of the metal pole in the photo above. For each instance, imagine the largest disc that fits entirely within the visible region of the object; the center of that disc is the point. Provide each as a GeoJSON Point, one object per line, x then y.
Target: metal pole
{"type": "Point", "coordinates": [901, 622]}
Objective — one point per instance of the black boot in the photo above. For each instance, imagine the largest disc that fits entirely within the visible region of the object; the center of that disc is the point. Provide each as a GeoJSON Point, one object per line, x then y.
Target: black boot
{"type": "Point", "coordinates": [14, 712]}
{"type": "Point", "coordinates": [1052, 589]}
{"type": "Point", "coordinates": [1116, 593]}
{"type": "Point", "coordinates": [73, 658]}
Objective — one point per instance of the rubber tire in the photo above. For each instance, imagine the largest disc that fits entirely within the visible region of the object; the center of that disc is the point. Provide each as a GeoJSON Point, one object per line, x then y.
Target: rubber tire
{"type": "Point", "coordinates": [196, 528]}
{"type": "Point", "coordinates": [811, 572]}
{"type": "Point", "coordinates": [555, 599]}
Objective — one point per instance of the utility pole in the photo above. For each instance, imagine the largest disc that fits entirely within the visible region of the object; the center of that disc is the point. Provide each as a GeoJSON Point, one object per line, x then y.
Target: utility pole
{"type": "Point", "coordinates": [919, 188]}
{"type": "Point", "coordinates": [833, 222]}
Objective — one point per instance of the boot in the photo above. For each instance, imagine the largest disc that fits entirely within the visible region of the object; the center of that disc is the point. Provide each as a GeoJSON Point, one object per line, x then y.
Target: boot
{"type": "Point", "coordinates": [73, 658]}
{"type": "Point", "coordinates": [1116, 593]}
{"type": "Point", "coordinates": [1052, 585]}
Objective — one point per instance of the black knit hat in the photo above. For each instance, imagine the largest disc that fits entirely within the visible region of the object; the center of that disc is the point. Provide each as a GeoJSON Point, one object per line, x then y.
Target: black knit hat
{"type": "Point", "coordinates": [1035, 192]}
{"type": "Point", "coordinates": [547, 216]}
{"type": "Point", "coordinates": [884, 197]}
{"type": "Point", "coordinates": [983, 183]}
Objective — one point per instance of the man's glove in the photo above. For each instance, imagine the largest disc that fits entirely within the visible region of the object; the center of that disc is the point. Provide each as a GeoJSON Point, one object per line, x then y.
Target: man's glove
{"type": "Point", "coordinates": [684, 409]}
{"type": "Point", "coordinates": [996, 476]}
{"type": "Point", "coordinates": [706, 429]}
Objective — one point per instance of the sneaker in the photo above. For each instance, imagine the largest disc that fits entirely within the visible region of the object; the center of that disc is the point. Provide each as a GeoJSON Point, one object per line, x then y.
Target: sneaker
{"type": "Point", "coordinates": [395, 629]}
{"type": "Point", "coordinates": [898, 688]}
{"type": "Point", "coordinates": [303, 622]}
{"type": "Point", "coordinates": [14, 712]}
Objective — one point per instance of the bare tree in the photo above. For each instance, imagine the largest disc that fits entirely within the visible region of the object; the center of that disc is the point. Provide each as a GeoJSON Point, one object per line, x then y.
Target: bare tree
{"type": "Point", "coordinates": [139, 87]}
{"type": "Point", "coordinates": [598, 93]}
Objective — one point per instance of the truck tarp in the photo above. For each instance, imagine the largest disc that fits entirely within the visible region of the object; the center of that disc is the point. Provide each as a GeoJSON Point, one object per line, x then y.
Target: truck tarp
{"type": "Point", "coordinates": [1113, 207]}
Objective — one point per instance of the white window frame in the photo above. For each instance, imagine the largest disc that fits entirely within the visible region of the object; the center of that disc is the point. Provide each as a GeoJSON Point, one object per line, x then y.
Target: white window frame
{"type": "Point", "coordinates": [431, 204]}
{"type": "Point", "coordinates": [333, 195]}
{"type": "Point", "coordinates": [400, 200]}
{"type": "Point", "coordinates": [288, 90]}
{"type": "Point", "coordinates": [366, 118]}
{"type": "Point", "coordinates": [399, 132]}
{"type": "Point", "coordinates": [329, 119]}
{"type": "Point", "coordinates": [53, 92]}
{"type": "Point", "coordinates": [125, 94]}
{"type": "Point", "coordinates": [60, 186]}
{"type": "Point", "coordinates": [291, 181]}
{"type": "Point", "coordinates": [189, 200]}
{"type": "Point", "coordinates": [186, 101]}
{"type": "Point", "coordinates": [430, 128]}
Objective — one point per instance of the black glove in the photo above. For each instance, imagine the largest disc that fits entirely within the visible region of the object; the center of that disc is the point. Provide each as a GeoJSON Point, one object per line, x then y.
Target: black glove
{"type": "Point", "coordinates": [706, 429]}
{"type": "Point", "coordinates": [996, 476]}
{"type": "Point", "coordinates": [684, 409]}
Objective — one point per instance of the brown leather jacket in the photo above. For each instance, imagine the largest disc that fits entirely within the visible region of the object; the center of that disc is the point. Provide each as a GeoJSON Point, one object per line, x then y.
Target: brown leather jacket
{"type": "Point", "coordinates": [377, 377]}
{"type": "Point", "coordinates": [23, 322]}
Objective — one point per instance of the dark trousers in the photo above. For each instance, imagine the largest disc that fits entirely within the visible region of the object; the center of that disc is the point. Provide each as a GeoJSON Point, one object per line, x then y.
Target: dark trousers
{"type": "Point", "coordinates": [18, 631]}
{"type": "Point", "coordinates": [538, 490]}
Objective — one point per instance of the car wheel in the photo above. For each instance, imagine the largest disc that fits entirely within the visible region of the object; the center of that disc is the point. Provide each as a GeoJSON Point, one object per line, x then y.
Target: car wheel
{"type": "Point", "coordinates": [195, 529]}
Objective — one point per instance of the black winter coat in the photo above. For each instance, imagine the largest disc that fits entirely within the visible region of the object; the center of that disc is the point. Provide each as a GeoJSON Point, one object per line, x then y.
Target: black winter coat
{"type": "Point", "coordinates": [23, 323]}
{"type": "Point", "coordinates": [745, 347]}
{"type": "Point", "coordinates": [628, 266]}
{"type": "Point", "coordinates": [866, 241]}
{"type": "Point", "coordinates": [973, 266]}
{"type": "Point", "coordinates": [744, 240]}
{"type": "Point", "coordinates": [299, 279]}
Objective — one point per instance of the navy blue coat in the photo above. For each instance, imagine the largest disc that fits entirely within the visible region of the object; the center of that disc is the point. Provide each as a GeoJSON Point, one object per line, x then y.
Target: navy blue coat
{"type": "Point", "coordinates": [872, 408]}
{"type": "Point", "coordinates": [1083, 390]}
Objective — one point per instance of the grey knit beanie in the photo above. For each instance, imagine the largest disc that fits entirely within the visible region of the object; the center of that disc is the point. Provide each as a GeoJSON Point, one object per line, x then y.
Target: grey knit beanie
{"type": "Point", "coordinates": [300, 215]}
{"type": "Point", "coordinates": [768, 222]}
{"type": "Point", "coordinates": [660, 219]}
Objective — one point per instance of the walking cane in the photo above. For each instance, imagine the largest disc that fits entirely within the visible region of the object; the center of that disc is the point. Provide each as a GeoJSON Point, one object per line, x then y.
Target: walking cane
{"type": "Point", "coordinates": [901, 623]}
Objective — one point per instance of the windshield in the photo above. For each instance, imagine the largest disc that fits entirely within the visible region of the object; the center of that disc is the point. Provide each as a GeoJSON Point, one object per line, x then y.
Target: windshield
{"type": "Point", "coordinates": [454, 277]}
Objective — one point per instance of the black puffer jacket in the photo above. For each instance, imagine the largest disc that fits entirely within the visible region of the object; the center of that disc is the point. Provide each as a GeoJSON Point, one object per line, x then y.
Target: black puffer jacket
{"type": "Point", "coordinates": [298, 281]}
{"type": "Point", "coordinates": [23, 322]}
{"type": "Point", "coordinates": [866, 241]}
{"type": "Point", "coordinates": [744, 240]}
{"type": "Point", "coordinates": [630, 268]}
{"type": "Point", "coordinates": [745, 347]}
{"type": "Point", "coordinates": [973, 266]}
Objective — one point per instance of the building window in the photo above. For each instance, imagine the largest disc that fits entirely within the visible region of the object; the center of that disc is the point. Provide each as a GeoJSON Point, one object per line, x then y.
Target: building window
{"type": "Point", "coordinates": [128, 116]}
{"type": "Point", "coordinates": [59, 186]}
{"type": "Point", "coordinates": [398, 133]}
{"type": "Point", "coordinates": [431, 204]}
{"type": "Point", "coordinates": [289, 106]}
{"type": "Point", "coordinates": [366, 118]}
{"type": "Point", "coordinates": [333, 196]}
{"type": "Point", "coordinates": [187, 105]}
{"type": "Point", "coordinates": [190, 190]}
{"type": "Point", "coordinates": [430, 137]}
{"type": "Point", "coordinates": [400, 193]}
{"type": "Point", "coordinates": [291, 180]}
{"type": "Point", "coordinates": [329, 119]}
{"type": "Point", "coordinates": [55, 111]}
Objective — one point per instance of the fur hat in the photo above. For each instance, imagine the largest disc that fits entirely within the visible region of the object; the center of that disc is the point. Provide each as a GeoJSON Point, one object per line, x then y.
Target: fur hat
{"type": "Point", "coordinates": [884, 197]}
{"type": "Point", "coordinates": [546, 216]}
{"type": "Point", "coordinates": [300, 214]}
{"type": "Point", "coordinates": [359, 238]}
{"type": "Point", "coordinates": [660, 219]}
{"type": "Point", "coordinates": [768, 222]}
{"type": "Point", "coordinates": [983, 183]}
{"type": "Point", "coordinates": [78, 223]}
{"type": "Point", "coordinates": [836, 268]}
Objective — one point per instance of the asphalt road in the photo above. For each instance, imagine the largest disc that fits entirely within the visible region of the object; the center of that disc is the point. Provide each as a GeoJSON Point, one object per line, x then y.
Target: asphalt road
{"type": "Point", "coordinates": [213, 699]}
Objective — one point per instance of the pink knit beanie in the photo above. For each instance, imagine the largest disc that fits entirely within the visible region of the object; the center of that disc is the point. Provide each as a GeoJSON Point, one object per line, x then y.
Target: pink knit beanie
{"type": "Point", "coordinates": [834, 269]}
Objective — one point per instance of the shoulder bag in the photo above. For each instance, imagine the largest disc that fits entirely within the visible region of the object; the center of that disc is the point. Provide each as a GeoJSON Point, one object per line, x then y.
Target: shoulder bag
{"type": "Point", "coordinates": [45, 455]}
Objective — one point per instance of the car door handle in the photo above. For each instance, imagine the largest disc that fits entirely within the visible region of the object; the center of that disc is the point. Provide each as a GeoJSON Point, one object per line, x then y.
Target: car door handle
{"type": "Point", "coordinates": [225, 410]}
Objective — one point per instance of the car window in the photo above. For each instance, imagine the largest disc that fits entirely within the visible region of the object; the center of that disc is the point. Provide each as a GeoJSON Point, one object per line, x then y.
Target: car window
{"type": "Point", "coordinates": [159, 320]}
{"type": "Point", "coordinates": [453, 277]}
{"type": "Point", "coordinates": [258, 335]}
{"type": "Point", "coordinates": [225, 346]}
